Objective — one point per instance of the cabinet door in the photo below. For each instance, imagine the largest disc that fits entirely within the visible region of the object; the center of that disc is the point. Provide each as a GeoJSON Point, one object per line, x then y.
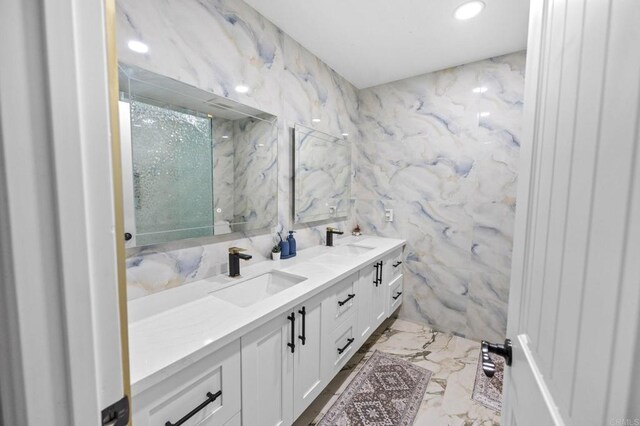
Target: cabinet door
{"type": "Point", "coordinates": [379, 299]}
{"type": "Point", "coordinates": [366, 286]}
{"type": "Point", "coordinates": [307, 372]}
{"type": "Point", "coordinates": [267, 374]}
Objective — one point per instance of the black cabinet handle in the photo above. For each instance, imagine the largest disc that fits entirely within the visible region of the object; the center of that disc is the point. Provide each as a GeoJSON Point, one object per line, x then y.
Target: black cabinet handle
{"type": "Point", "coordinates": [375, 281]}
{"type": "Point", "coordinates": [292, 345]}
{"type": "Point", "coordinates": [342, 302]}
{"type": "Point", "coordinates": [397, 295]}
{"type": "Point", "coordinates": [210, 398]}
{"type": "Point", "coordinates": [380, 272]}
{"type": "Point", "coordinates": [344, 348]}
{"type": "Point", "coordinates": [127, 236]}
{"type": "Point", "coordinates": [398, 263]}
{"type": "Point", "coordinates": [303, 337]}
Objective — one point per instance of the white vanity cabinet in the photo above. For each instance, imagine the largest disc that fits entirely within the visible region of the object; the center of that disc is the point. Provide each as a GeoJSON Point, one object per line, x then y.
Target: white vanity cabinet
{"type": "Point", "coordinates": [282, 366]}
{"type": "Point", "coordinates": [283, 361]}
{"type": "Point", "coordinates": [212, 383]}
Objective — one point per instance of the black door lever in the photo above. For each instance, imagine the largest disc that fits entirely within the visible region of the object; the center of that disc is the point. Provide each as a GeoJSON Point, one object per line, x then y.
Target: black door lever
{"type": "Point", "coordinates": [488, 366]}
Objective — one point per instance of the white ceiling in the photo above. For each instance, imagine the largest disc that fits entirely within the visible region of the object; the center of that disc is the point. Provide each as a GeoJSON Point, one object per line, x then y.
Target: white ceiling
{"type": "Point", "coordinates": [371, 42]}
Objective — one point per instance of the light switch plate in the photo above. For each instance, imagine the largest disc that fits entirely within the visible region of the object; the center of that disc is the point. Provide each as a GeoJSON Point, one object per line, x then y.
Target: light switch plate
{"type": "Point", "coordinates": [388, 215]}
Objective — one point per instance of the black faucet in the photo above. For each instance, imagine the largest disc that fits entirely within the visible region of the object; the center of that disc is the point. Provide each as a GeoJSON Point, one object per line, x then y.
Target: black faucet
{"type": "Point", "coordinates": [234, 260]}
{"type": "Point", "coordinates": [330, 232]}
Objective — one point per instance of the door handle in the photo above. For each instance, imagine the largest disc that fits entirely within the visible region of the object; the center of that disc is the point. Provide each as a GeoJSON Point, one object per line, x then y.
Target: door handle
{"type": "Point", "coordinates": [292, 345]}
{"type": "Point", "coordinates": [505, 351]}
{"type": "Point", "coordinates": [380, 279]}
{"type": "Point", "coordinates": [375, 281]}
{"type": "Point", "coordinates": [303, 336]}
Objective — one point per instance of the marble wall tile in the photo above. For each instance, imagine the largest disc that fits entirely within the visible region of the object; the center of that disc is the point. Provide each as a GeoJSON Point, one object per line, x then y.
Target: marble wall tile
{"type": "Point", "coordinates": [442, 149]}
{"type": "Point", "coordinates": [442, 155]}
{"type": "Point", "coordinates": [216, 45]}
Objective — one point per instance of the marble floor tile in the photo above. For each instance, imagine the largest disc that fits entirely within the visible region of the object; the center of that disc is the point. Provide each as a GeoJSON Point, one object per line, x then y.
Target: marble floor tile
{"type": "Point", "coordinates": [452, 360]}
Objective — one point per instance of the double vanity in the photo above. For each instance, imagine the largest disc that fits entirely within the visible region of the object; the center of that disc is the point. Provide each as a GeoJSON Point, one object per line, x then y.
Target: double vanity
{"type": "Point", "coordinates": [259, 348]}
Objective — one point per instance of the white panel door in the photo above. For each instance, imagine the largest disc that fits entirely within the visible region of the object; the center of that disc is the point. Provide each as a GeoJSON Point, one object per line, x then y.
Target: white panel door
{"type": "Point", "coordinates": [366, 286]}
{"type": "Point", "coordinates": [379, 301]}
{"type": "Point", "coordinates": [267, 374]}
{"type": "Point", "coordinates": [575, 290]}
{"type": "Point", "coordinates": [308, 378]}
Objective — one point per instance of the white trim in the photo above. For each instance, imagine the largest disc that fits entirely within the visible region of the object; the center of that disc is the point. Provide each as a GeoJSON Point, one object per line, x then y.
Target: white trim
{"type": "Point", "coordinates": [59, 198]}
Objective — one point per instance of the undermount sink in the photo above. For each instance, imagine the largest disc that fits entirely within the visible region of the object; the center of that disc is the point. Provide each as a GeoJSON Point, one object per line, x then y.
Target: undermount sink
{"type": "Point", "coordinates": [351, 250]}
{"type": "Point", "coordinates": [256, 289]}
{"type": "Point", "coordinates": [341, 256]}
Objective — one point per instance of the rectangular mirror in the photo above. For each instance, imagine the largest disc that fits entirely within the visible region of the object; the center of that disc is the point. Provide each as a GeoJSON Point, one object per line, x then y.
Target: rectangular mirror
{"type": "Point", "coordinates": [194, 164]}
{"type": "Point", "coordinates": [322, 175]}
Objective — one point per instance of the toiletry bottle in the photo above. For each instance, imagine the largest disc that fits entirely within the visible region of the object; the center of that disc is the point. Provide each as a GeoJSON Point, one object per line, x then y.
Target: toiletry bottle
{"type": "Point", "coordinates": [292, 243]}
{"type": "Point", "coordinates": [284, 249]}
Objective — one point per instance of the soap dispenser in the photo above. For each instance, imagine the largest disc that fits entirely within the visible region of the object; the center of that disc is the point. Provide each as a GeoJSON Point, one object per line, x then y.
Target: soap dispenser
{"type": "Point", "coordinates": [292, 243]}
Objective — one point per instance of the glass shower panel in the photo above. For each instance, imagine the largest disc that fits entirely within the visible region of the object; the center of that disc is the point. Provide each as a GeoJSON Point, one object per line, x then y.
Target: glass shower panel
{"type": "Point", "coordinates": [172, 174]}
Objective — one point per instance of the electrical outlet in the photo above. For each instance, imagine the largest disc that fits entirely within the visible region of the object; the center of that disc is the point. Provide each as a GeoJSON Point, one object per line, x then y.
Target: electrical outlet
{"type": "Point", "coordinates": [332, 210]}
{"type": "Point", "coordinates": [388, 215]}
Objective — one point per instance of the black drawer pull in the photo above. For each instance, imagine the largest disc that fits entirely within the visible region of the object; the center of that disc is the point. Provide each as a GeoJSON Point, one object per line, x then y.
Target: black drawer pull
{"type": "Point", "coordinates": [342, 302]}
{"type": "Point", "coordinates": [375, 281]}
{"type": "Point", "coordinates": [303, 337]}
{"type": "Point", "coordinates": [380, 279]}
{"type": "Point", "coordinates": [210, 398]}
{"type": "Point", "coordinates": [292, 345]}
{"type": "Point", "coordinates": [397, 295]}
{"type": "Point", "coordinates": [398, 263]}
{"type": "Point", "coordinates": [344, 348]}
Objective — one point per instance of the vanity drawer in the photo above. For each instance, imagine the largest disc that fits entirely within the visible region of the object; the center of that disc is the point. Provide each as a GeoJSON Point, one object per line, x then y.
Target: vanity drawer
{"type": "Point", "coordinates": [215, 378]}
{"type": "Point", "coordinates": [395, 262]}
{"type": "Point", "coordinates": [396, 289]}
{"type": "Point", "coordinates": [342, 302]}
{"type": "Point", "coordinates": [342, 345]}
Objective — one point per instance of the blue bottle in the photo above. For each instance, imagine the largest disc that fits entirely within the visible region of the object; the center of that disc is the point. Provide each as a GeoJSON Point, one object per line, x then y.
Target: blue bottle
{"type": "Point", "coordinates": [292, 243]}
{"type": "Point", "coordinates": [284, 249]}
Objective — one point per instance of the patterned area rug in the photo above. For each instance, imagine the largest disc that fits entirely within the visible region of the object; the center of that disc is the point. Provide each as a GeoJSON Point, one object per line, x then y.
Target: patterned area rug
{"type": "Point", "coordinates": [488, 391]}
{"type": "Point", "coordinates": [386, 392]}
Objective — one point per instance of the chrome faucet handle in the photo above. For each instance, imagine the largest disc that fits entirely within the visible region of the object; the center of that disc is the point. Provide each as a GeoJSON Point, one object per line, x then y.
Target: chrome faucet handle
{"type": "Point", "coordinates": [236, 250]}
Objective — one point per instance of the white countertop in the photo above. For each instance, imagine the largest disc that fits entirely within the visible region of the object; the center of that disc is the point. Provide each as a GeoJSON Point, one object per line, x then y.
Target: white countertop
{"type": "Point", "coordinates": [174, 328]}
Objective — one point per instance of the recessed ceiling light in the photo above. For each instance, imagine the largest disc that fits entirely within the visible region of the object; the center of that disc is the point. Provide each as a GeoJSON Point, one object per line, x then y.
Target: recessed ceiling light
{"type": "Point", "coordinates": [468, 10]}
{"type": "Point", "coordinates": [138, 46]}
{"type": "Point", "coordinates": [315, 120]}
{"type": "Point", "coordinates": [480, 89]}
{"type": "Point", "coordinates": [225, 137]}
{"type": "Point", "coordinates": [241, 88]}
{"type": "Point", "coordinates": [485, 114]}
{"type": "Point", "coordinates": [345, 134]}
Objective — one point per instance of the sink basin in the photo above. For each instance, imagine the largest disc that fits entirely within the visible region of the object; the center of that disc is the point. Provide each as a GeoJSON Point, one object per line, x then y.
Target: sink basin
{"type": "Point", "coordinates": [351, 250]}
{"type": "Point", "coordinates": [256, 289]}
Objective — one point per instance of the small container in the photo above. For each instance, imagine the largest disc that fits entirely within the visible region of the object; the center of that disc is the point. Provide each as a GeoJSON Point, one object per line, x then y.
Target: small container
{"type": "Point", "coordinates": [292, 243]}
{"type": "Point", "coordinates": [275, 255]}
